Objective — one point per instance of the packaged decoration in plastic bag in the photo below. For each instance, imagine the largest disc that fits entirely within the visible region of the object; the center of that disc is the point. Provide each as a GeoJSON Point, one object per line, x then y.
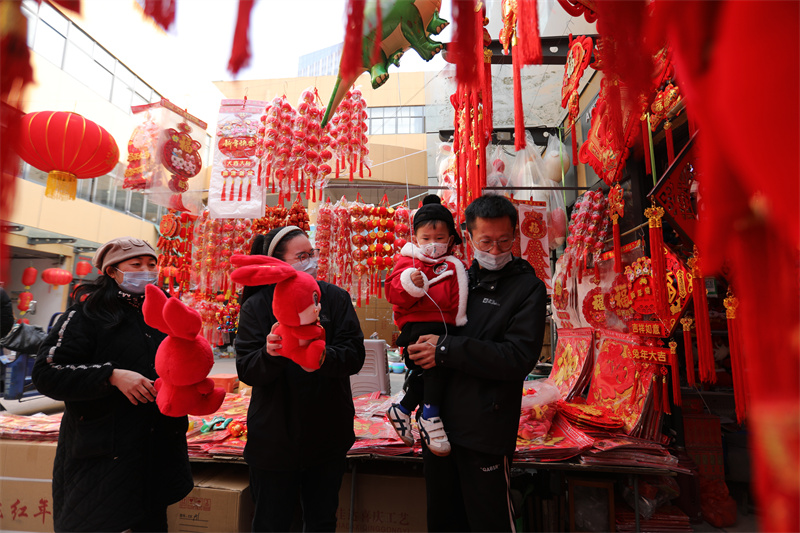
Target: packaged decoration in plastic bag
{"type": "Point", "coordinates": [533, 239]}
{"type": "Point", "coordinates": [556, 160]}
{"type": "Point", "coordinates": [164, 152]}
{"type": "Point", "coordinates": [499, 166]}
{"type": "Point", "coordinates": [528, 171]}
{"type": "Point", "coordinates": [538, 408]}
{"type": "Point", "coordinates": [236, 188]}
{"type": "Point", "coordinates": [446, 171]}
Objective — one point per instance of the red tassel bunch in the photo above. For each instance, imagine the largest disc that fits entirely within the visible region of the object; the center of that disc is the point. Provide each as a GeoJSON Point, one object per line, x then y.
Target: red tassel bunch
{"type": "Point", "coordinates": [657, 260]}
{"type": "Point", "coordinates": [352, 62]}
{"type": "Point", "coordinates": [240, 51]}
{"type": "Point", "coordinates": [688, 351]}
{"type": "Point", "coordinates": [705, 352]}
{"type": "Point", "coordinates": [676, 380]}
{"type": "Point", "coordinates": [738, 366]}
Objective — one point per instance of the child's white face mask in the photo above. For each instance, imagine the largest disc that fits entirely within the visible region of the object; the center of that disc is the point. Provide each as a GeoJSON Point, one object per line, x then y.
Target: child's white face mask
{"type": "Point", "coordinates": [434, 250]}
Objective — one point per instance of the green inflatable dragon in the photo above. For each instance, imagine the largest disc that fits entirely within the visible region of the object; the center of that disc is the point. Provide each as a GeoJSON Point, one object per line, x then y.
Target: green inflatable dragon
{"type": "Point", "coordinates": [405, 24]}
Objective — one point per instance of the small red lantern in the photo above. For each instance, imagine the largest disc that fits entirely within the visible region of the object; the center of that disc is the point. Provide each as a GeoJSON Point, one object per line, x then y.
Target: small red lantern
{"type": "Point", "coordinates": [24, 302]}
{"type": "Point", "coordinates": [56, 276]}
{"type": "Point", "coordinates": [83, 268]}
{"type": "Point", "coordinates": [29, 276]}
{"type": "Point", "coordinates": [68, 147]}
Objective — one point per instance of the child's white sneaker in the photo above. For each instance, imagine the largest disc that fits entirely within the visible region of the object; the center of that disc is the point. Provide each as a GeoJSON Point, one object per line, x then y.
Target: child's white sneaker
{"type": "Point", "coordinates": [432, 432]}
{"type": "Point", "coordinates": [401, 423]}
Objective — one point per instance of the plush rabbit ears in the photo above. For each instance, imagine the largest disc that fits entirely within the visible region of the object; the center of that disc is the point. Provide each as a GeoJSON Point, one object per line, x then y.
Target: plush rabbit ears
{"type": "Point", "coordinates": [260, 270]}
{"type": "Point", "coordinates": [170, 315]}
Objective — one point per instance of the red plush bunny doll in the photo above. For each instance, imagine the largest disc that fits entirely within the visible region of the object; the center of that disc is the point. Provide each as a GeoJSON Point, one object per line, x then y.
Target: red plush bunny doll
{"type": "Point", "coordinates": [183, 359]}
{"type": "Point", "coordinates": [295, 304]}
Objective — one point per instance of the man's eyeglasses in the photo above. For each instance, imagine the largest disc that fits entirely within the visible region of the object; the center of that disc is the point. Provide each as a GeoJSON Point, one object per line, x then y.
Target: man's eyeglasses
{"type": "Point", "coordinates": [484, 245]}
{"type": "Point", "coordinates": [305, 256]}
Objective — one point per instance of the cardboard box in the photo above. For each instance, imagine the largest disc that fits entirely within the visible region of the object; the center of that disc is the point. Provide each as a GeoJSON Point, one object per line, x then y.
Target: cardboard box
{"type": "Point", "coordinates": [220, 501]}
{"type": "Point", "coordinates": [383, 503]}
{"type": "Point", "coordinates": [26, 485]}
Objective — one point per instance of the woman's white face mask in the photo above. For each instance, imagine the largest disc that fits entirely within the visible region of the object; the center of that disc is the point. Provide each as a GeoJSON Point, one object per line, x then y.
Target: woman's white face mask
{"type": "Point", "coordinates": [134, 282]}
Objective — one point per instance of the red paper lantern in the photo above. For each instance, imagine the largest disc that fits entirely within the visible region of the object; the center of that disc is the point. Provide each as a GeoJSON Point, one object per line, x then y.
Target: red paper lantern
{"type": "Point", "coordinates": [68, 147]}
{"type": "Point", "coordinates": [56, 276]}
{"type": "Point", "coordinates": [29, 276]}
{"type": "Point", "coordinates": [83, 268]}
{"type": "Point", "coordinates": [24, 302]}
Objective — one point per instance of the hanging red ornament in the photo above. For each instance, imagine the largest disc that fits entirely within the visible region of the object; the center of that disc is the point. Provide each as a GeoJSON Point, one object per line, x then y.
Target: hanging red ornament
{"type": "Point", "coordinates": [24, 302]}
{"type": "Point", "coordinates": [68, 147]}
{"type": "Point", "coordinates": [738, 367]}
{"type": "Point", "coordinates": [56, 276]}
{"type": "Point", "coordinates": [29, 276]}
{"type": "Point", "coordinates": [83, 268]}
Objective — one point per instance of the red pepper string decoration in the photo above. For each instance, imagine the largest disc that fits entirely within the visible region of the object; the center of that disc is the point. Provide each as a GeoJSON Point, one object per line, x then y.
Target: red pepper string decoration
{"type": "Point", "coordinates": [616, 207]}
{"type": "Point", "coordinates": [737, 359]}
{"type": "Point", "coordinates": [687, 348]}
{"type": "Point", "coordinates": [351, 61]}
{"type": "Point", "coordinates": [705, 353]}
{"type": "Point", "coordinates": [657, 260]}
{"type": "Point", "coordinates": [240, 51]}
{"type": "Point", "coordinates": [676, 378]}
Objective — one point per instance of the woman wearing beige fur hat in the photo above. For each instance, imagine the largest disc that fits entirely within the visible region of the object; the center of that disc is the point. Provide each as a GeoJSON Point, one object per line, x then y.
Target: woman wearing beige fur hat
{"type": "Point", "coordinates": [119, 461]}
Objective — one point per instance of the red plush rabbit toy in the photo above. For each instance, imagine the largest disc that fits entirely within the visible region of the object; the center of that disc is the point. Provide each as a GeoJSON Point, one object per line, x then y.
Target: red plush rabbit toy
{"type": "Point", "coordinates": [183, 359]}
{"type": "Point", "coordinates": [295, 304]}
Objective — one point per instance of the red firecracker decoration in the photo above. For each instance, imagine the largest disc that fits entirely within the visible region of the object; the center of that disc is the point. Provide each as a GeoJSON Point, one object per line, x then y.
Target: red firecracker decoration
{"type": "Point", "coordinates": [68, 147]}
{"type": "Point", "coordinates": [738, 364]}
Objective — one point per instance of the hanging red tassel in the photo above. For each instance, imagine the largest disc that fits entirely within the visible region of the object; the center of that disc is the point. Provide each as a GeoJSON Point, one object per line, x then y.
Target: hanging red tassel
{"type": "Point", "coordinates": [665, 407]}
{"type": "Point", "coordinates": [737, 360]}
{"type": "Point", "coordinates": [462, 51]}
{"type": "Point", "coordinates": [519, 114]}
{"type": "Point", "coordinates": [657, 390]}
{"type": "Point", "coordinates": [376, 47]}
{"type": "Point", "coordinates": [705, 352]}
{"type": "Point", "coordinates": [352, 63]}
{"type": "Point", "coordinates": [162, 12]}
{"type": "Point", "coordinates": [616, 207]}
{"type": "Point", "coordinates": [670, 143]}
{"type": "Point", "coordinates": [646, 145]}
{"type": "Point", "coordinates": [530, 44]}
{"type": "Point", "coordinates": [240, 51]}
{"type": "Point", "coordinates": [676, 377]}
{"type": "Point", "coordinates": [687, 348]}
{"type": "Point", "coordinates": [657, 261]}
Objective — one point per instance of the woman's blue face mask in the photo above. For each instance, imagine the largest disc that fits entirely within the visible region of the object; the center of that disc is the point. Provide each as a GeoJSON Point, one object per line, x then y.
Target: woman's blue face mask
{"type": "Point", "coordinates": [134, 282]}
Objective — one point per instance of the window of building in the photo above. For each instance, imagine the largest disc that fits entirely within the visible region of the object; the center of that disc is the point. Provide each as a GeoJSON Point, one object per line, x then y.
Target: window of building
{"type": "Point", "coordinates": [395, 120]}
